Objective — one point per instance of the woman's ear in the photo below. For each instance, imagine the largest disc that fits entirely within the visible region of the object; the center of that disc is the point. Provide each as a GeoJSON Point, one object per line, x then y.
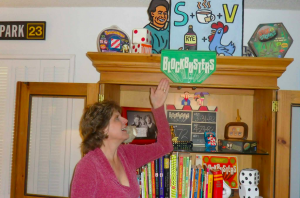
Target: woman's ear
{"type": "Point", "coordinates": [106, 130]}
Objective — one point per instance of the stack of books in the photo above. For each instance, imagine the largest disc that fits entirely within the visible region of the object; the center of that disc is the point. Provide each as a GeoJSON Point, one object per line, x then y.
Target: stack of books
{"type": "Point", "coordinates": [174, 176]}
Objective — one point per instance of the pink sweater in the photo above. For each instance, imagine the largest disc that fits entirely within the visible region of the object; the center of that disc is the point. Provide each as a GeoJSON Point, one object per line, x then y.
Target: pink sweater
{"type": "Point", "coordinates": [95, 178]}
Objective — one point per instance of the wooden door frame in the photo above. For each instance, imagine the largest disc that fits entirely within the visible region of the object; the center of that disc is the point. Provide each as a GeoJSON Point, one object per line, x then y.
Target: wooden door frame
{"type": "Point", "coordinates": [264, 126]}
{"type": "Point", "coordinates": [283, 142]}
{"type": "Point", "coordinates": [24, 91]}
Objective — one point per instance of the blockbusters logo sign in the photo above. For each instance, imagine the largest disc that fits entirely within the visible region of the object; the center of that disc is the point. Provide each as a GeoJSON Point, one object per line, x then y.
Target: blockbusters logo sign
{"type": "Point", "coordinates": [188, 66]}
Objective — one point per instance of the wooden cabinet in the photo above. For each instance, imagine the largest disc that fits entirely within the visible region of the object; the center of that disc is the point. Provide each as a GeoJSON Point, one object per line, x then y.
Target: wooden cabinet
{"type": "Point", "coordinates": [249, 84]}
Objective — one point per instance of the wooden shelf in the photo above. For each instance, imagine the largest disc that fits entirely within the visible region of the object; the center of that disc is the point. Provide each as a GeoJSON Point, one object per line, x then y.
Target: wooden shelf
{"type": "Point", "coordinates": [231, 72]}
{"type": "Point", "coordinates": [245, 83]}
{"type": "Point", "coordinates": [202, 150]}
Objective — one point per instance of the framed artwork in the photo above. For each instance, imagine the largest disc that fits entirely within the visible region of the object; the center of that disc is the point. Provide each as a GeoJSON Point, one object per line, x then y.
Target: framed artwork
{"type": "Point", "coordinates": [144, 121]}
{"type": "Point", "coordinates": [207, 25]}
{"type": "Point", "coordinates": [190, 124]}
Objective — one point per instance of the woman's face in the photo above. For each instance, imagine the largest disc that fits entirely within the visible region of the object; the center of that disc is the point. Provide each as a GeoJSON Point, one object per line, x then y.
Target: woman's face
{"type": "Point", "coordinates": [142, 121]}
{"type": "Point", "coordinates": [136, 121]}
{"type": "Point", "coordinates": [116, 126]}
{"type": "Point", "coordinates": [148, 120]}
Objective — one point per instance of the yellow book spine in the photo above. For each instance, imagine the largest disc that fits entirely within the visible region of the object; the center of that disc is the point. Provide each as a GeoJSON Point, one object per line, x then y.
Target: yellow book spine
{"type": "Point", "coordinates": [210, 185]}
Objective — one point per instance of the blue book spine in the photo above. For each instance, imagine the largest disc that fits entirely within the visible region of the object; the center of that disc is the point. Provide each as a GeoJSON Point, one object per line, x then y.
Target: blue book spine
{"type": "Point", "coordinates": [161, 178]}
{"type": "Point", "coordinates": [196, 183]}
{"type": "Point", "coordinates": [191, 183]}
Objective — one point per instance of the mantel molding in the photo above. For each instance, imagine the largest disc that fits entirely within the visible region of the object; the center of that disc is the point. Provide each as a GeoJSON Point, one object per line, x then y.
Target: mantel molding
{"type": "Point", "coordinates": [230, 72]}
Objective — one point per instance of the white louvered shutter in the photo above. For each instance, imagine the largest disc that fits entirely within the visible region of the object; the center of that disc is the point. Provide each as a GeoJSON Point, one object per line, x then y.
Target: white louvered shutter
{"type": "Point", "coordinates": [21, 70]}
{"type": "Point", "coordinates": [12, 71]}
{"type": "Point", "coordinates": [4, 155]}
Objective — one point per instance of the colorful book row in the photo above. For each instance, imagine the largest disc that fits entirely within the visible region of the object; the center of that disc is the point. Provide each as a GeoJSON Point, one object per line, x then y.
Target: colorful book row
{"type": "Point", "coordinates": [174, 176]}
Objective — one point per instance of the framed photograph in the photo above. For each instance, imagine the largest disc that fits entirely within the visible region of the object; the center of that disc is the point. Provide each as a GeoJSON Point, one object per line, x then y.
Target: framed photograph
{"type": "Point", "coordinates": [144, 121]}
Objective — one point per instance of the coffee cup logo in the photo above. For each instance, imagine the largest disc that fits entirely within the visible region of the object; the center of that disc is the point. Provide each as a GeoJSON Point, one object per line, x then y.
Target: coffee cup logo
{"type": "Point", "coordinates": [205, 16]}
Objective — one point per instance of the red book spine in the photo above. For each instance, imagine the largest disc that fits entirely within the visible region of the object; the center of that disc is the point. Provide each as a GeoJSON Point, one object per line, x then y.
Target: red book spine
{"type": "Point", "coordinates": [217, 183]}
{"type": "Point", "coordinates": [153, 179]}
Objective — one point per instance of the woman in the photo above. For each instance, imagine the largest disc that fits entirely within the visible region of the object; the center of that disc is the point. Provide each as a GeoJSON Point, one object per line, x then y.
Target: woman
{"type": "Point", "coordinates": [108, 168]}
{"type": "Point", "coordinates": [136, 121]}
{"type": "Point", "coordinates": [152, 130]}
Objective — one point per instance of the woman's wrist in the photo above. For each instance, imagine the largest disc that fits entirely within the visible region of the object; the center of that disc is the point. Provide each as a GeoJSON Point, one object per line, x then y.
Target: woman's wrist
{"type": "Point", "coordinates": [156, 106]}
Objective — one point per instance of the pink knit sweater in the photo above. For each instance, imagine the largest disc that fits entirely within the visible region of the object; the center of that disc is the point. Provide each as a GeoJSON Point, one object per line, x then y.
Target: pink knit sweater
{"type": "Point", "coordinates": [95, 178]}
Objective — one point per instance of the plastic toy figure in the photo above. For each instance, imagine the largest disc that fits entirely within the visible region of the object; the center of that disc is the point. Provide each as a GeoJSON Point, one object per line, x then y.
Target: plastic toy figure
{"type": "Point", "coordinates": [210, 139]}
{"type": "Point", "coordinates": [199, 97]}
{"type": "Point", "coordinates": [186, 96]}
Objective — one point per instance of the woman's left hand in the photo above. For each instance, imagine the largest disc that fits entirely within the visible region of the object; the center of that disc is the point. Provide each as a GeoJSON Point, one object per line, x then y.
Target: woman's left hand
{"type": "Point", "coordinates": [159, 96]}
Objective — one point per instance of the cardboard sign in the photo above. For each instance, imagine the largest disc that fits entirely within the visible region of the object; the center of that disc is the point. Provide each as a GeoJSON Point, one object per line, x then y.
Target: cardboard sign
{"type": "Point", "coordinates": [22, 30]}
{"type": "Point", "coordinates": [227, 164]}
{"type": "Point", "coordinates": [207, 25]}
{"type": "Point", "coordinates": [188, 66]}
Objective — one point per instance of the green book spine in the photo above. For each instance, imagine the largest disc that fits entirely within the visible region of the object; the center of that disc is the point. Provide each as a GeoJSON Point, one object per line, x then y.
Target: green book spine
{"type": "Point", "coordinates": [183, 177]}
{"type": "Point", "coordinates": [174, 176]}
{"type": "Point", "coordinates": [149, 180]}
{"type": "Point", "coordinates": [187, 176]}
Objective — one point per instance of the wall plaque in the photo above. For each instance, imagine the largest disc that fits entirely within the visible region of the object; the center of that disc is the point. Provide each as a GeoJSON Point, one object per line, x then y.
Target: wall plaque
{"type": "Point", "coordinates": [22, 30]}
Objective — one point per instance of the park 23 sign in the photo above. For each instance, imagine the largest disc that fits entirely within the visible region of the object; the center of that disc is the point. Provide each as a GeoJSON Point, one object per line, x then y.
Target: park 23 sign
{"type": "Point", "coordinates": [22, 30]}
{"type": "Point", "coordinates": [187, 66]}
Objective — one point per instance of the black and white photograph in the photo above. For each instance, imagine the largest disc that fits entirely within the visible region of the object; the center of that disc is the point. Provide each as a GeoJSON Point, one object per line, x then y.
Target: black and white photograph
{"type": "Point", "coordinates": [144, 121]}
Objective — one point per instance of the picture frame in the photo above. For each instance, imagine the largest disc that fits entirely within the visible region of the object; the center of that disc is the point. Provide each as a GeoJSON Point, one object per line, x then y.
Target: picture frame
{"type": "Point", "coordinates": [144, 121]}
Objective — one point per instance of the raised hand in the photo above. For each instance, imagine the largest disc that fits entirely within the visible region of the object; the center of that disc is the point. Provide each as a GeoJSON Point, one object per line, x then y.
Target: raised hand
{"type": "Point", "coordinates": [159, 95]}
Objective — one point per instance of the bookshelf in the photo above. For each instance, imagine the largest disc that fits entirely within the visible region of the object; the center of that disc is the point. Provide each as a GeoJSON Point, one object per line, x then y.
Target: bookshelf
{"type": "Point", "coordinates": [247, 83]}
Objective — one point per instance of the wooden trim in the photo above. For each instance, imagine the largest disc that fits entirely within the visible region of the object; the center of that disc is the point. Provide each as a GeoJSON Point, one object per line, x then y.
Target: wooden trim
{"type": "Point", "coordinates": [92, 93]}
{"type": "Point", "coordinates": [214, 81]}
{"type": "Point", "coordinates": [283, 142]}
{"type": "Point", "coordinates": [181, 90]}
{"type": "Point", "coordinates": [261, 73]}
{"type": "Point", "coordinates": [264, 134]}
{"type": "Point", "coordinates": [110, 92]}
{"type": "Point", "coordinates": [22, 116]}
{"type": "Point", "coordinates": [15, 145]}
{"type": "Point", "coordinates": [20, 141]}
{"type": "Point", "coordinates": [74, 89]}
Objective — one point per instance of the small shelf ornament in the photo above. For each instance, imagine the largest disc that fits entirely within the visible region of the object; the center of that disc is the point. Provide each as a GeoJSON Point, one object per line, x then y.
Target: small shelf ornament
{"type": "Point", "coordinates": [236, 130]}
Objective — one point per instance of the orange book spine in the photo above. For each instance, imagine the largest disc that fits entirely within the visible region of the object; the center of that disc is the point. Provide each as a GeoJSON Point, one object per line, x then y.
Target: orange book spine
{"type": "Point", "coordinates": [180, 177]}
{"type": "Point", "coordinates": [194, 182]}
{"type": "Point", "coordinates": [199, 182]}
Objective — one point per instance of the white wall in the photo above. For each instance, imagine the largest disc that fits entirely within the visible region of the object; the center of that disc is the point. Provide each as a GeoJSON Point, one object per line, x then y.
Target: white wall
{"type": "Point", "coordinates": [290, 79]}
{"type": "Point", "coordinates": [75, 30]}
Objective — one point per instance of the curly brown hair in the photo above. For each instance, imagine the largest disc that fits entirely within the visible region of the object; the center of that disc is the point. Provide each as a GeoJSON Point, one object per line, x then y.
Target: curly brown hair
{"type": "Point", "coordinates": [94, 120]}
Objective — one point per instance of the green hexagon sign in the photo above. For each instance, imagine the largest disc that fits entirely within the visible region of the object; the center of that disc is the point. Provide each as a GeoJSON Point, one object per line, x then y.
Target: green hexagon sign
{"type": "Point", "coordinates": [188, 66]}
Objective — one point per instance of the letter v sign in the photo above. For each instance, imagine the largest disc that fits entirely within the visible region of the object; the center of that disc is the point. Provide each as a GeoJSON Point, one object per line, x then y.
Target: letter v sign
{"type": "Point", "coordinates": [230, 17]}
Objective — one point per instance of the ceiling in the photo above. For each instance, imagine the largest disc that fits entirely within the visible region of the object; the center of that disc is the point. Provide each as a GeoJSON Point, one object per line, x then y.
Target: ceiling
{"type": "Point", "coordinates": [249, 4]}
